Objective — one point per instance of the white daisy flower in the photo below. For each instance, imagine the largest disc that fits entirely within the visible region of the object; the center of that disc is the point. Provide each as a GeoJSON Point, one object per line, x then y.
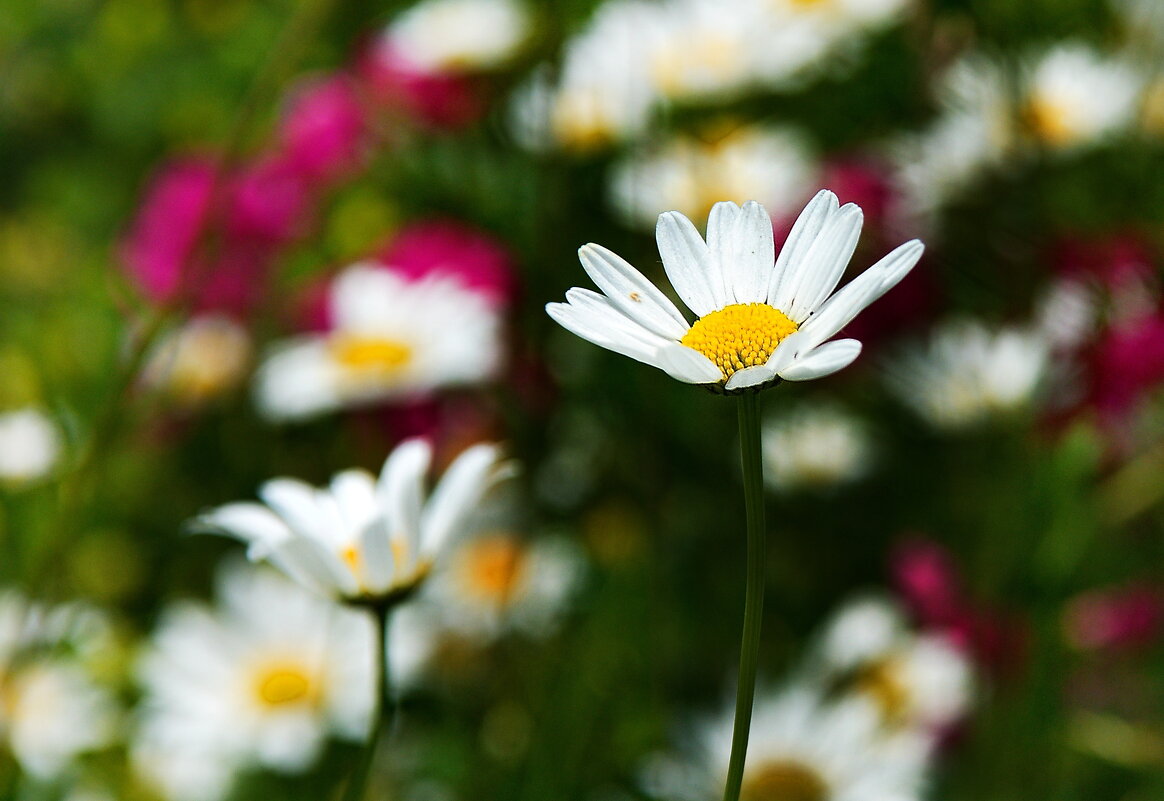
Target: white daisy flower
{"type": "Point", "coordinates": [459, 35]}
{"type": "Point", "coordinates": [802, 748]}
{"type": "Point", "coordinates": [817, 446]}
{"type": "Point", "coordinates": [392, 337]}
{"type": "Point", "coordinates": [919, 681]}
{"type": "Point", "coordinates": [261, 681]}
{"type": "Point", "coordinates": [497, 582]}
{"type": "Point", "coordinates": [30, 445]}
{"type": "Point", "coordinates": [1074, 96]}
{"type": "Point", "coordinates": [689, 174]}
{"type": "Point", "coordinates": [362, 539]}
{"type": "Point", "coordinates": [203, 359]}
{"type": "Point", "coordinates": [52, 709]}
{"type": "Point", "coordinates": [758, 321]}
{"type": "Point", "coordinates": [968, 372]}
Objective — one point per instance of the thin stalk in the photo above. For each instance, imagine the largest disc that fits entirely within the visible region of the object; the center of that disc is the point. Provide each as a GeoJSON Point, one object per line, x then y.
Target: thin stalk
{"type": "Point", "coordinates": [753, 593]}
{"type": "Point", "coordinates": [381, 710]}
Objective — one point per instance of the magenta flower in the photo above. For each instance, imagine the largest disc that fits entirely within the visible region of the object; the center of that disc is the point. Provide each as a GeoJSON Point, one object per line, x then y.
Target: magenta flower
{"type": "Point", "coordinates": [440, 100]}
{"type": "Point", "coordinates": [479, 261]}
{"type": "Point", "coordinates": [324, 132]}
{"type": "Point", "coordinates": [1114, 618]}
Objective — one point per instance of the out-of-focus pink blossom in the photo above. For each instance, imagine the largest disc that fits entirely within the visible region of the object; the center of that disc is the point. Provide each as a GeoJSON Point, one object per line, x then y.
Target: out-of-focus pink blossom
{"type": "Point", "coordinates": [324, 131]}
{"type": "Point", "coordinates": [441, 100]}
{"type": "Point", "coordinates": [1114, 260]}
{"type": "Point", "coordinates": [1127, 363]}
{"type": "Point", "coordinates": [262, 208]}
{"type": "Point", "coordinates": [861, 181]}
{"type": "Point", "coordinates": [1114, 618]}
{"type": "Point", "coordinates": [481, 262]}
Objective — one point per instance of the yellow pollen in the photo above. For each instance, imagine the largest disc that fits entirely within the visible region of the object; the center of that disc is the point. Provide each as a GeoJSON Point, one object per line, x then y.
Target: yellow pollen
{"type": "Point", "coordinates": [783, 780]}
{"type": "Point", "coordinates": [492, 567]}
{"type": "Point", "coordinates": [371, 354]}
{"type": "Point", "coordinates": [284, 684]}
{"type": "Point", "coordinates": [738, 336]}
{"type": "Point", "coordinates": [1049, 122]}
{"type": "Point", "coordinates": [882, 682]}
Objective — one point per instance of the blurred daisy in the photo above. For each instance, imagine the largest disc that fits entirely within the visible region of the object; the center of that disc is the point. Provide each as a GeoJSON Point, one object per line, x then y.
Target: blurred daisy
{"type": "Point", "coordinates": [814, 446]}
{"type": "Point", "coordinates": [689, 174]}
{"type": "Point", "coordinates": [362, 539]}
{"type": "Point", "coordinates": [51, 709]}
{"type": "Point", "coordinates": [757, 321]}
{"type": "Point", "coordinates": [915, 680]}
{"type": "Point", "coordinates": [391, 337]}
{"type": "Point", "coordinates": [497, 582]}
{"type": "Point", "coordinates": [458, 35]}
{"type": "Point", "coordinates": [704, 53]}
{"type": "Point", "coordinates": [1074, 96]}
{"type": "Point", "coordinates": [261, 681]}
{"type": "Point", "coordinates": [202, 360]}
{"type": "Point", "coordinates": [801, 748]}
{"type": "Point", "coordinates": [968, 372]}
{"type": "Point", "coordinates": [30, 445]}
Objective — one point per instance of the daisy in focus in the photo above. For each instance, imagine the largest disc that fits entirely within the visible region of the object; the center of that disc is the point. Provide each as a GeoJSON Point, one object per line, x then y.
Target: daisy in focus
{"type": "Point", "coordinates": [802, 748]}
{"type": "Point", "coordinates": [260, 681]}
{"type": "Point", "coordinates": [390, 337]}
{"type": "Point", "coordinates": [362, 539]}
{"type": "Point", "coordinates": [761, 317]}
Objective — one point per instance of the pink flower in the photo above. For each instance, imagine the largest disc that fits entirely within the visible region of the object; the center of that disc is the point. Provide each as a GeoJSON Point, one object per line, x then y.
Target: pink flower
{"type": "Point", "coordinates": [440, 100]}
{"type": "Point", "coordinates": [262, 208]}
{"type": "Point", "coordinates": [1127, 363]}
{"type": "Point", "coordinates": [1114, 618]}
{"type": "Point", "coordinates": [481, 262]}
{"type": "Point", "coordinates": [861, 181]}
{"type": "Point", "coordinates": [324, 130]}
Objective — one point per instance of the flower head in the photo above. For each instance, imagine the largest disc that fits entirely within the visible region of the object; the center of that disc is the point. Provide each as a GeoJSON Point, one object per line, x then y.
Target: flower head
{"type": "Point", "coordinates": [362, 539]}
{"type": "Point", "coordinates": [760, 318]}
{"type": "Point", "coordinates": [30, 445]}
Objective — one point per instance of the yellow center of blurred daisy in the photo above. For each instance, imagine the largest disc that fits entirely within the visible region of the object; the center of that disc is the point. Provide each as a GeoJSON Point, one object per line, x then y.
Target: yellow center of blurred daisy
{"type": "Point", "coordinates": [1049, 122]}
{"type": "Point", "coordinates": [738, 336]}
{"type": "Point", "coordinates": [783, 780]}
{"type": "Point", "coordinates": [283, 684]}
{"type": "Point", "coordinates": [371, 354]}
{"type": "Point", "coordinates": [491, 568]}
{"type": "Point", "coordinates": [883, 683]}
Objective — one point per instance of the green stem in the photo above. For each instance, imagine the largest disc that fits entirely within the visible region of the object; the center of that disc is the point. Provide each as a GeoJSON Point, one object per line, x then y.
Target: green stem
{"type": "Point", "coordinates": [753, 593]}
{"type": "Point", "coordinates": [381, 711]}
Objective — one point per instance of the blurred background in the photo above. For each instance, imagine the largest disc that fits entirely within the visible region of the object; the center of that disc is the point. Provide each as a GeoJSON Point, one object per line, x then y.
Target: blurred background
{"type": "Point", "coordinates": [965, 526]}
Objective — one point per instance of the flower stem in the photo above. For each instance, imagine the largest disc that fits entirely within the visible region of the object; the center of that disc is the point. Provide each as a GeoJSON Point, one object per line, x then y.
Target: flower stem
{"type": "Point", "coordinates": [753, 593]}
{"type": "Point", "coordinates": [381, 711]}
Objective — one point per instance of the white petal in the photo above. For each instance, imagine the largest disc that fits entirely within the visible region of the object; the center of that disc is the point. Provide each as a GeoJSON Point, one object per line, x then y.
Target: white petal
{"type": "Point", "coordinates": [631, 292]}
{"type": "Point", "coordinates": [295, 502]}
{"type": "Point", "coordinates": [800, 239]}
{"type": "Point", "coordinates": [687, 365]}
{"type": "Point", "coordinates": [250, 522]}
{"type": "Point", "coordinates": [689, 264]}
{"type": "Point", "coordinates": [379, 562]}
{"type": "Point", "coordinates": [354, 492]}
{"type": "Point", "coordinates": [741, 241]}
{"type": "Point", "coordinates": [822, 361]}
{"type": "Point", "coordinates": [825, 262]}
{"type": "Point", "coordinates": [839, 310]}
{"type": "Point", "coordinates": [785, 352]}
{"type": "Point", "coordinates": [461, 487]}
{"type": "Point", "coordinates": [402, 495]}
{"type": "Point", "coordinates": [606, 327]}
{"type": "Point", "coordinates": [750, 377]}
{"type": "Point", "coordinates": [308, 562]}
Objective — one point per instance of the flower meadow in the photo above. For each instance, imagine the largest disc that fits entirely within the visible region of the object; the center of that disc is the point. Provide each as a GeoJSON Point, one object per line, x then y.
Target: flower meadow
{"type": "Point", "coordinates": [600, 400]}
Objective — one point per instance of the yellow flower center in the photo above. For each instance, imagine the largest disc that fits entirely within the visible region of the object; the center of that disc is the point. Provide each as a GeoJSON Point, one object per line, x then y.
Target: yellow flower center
{"type": "Point", "coordinates": [284, 684]}
{"type": "Point", "coordinates": [1049, 121]}
{"type": "Point", "coordinates": [492, 567]}
{"type": "Point", "coordinates": [882, 682]}
{"type": "Point", "coordinates": [371, 354]}
{"type": "Point", "coordinates": [738, 336]}
{"type": "Point", "coordinates": [580, 122]}
{"type": "Point", "coordinates": [783, 780]}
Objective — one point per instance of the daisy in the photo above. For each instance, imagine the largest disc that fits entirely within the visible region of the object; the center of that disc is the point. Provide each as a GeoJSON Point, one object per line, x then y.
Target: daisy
{"type": "Point", "coordinates": [496, 582]}
{"type": "Point", "coordinates": [915, 680]}
{"type": "Point", "coordinates": [689, 173]}
{"type": "Point", "coordinates": [261, 680]}
{"type": "Point", "coordinates": [1074, 96]}
{"type": "Point", "coordinates": [802, 748]}
{"type": "Point", "coordinates": [391, 337]}
{"type": "Point", "coordinates": [30, 445]}
{"type": "Point", "coordinates": [758, 321]}
{"type": "Point", "coordinates": [362, 539]}
{"type": "Point", "coordinates": [968, 372]}
{"type": "Point", "coordinates": [818, 446]}
{"type": "Point", "coordinates": [459, 35]}
{"type": "Point", "coordinates": [205, 358]}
